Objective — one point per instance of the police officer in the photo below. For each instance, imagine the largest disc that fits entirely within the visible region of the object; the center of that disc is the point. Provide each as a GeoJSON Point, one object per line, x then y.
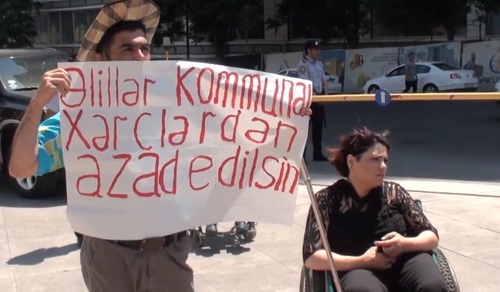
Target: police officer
{"type": "Point", "coordinates": [312, 69]}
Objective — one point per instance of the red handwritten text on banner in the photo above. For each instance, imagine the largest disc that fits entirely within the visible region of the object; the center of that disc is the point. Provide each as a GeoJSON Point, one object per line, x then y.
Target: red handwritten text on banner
{"type": "Point", "coordinates": [174, 131]}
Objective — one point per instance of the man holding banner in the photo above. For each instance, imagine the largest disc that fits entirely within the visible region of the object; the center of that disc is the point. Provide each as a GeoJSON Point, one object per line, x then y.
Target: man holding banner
{"type": "Point", "coordinates": [122, 31]}
{"type": "Point", "coordinates": [114, 261]}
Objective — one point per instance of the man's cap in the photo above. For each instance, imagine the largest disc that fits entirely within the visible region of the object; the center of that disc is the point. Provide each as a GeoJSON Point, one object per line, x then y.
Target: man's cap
{"type": "Point", "coordinates": [145, 11]}
{"type": "Point", "coordinates": [311, 44]}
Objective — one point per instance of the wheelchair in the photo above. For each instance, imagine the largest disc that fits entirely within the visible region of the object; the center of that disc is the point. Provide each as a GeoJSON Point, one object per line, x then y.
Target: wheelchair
{"type": "Point", "coordinates": [199, 237]}
{"type": "Point", "coordinates": [321, 281]}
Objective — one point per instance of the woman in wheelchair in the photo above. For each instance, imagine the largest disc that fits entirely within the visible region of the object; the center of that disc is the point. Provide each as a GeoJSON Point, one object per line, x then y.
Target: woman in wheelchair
{"type": "Point", "coordinates": [379, 237]}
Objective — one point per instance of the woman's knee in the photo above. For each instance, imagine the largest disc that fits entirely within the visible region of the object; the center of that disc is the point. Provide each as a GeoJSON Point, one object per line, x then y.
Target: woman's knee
{"type": "Point", "coordinates": [421, 274]}
{"type": "Point", "coordinates": [362, 281]}
{"type": "Point", "coordinates": [431, 284]}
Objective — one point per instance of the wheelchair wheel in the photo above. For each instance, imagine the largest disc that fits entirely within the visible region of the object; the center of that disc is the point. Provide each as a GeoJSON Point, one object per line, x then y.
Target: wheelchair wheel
{"type": "Point", "coordinates": [446, 271]}
{"type": "Point", "coordinates": [315, 281]}
{"type": "Point", "coordinates": [198, 238]}
{"type": "Point", "coordinates": [304, 280]}
{"type": "Point", "coordinates": [252, 232]}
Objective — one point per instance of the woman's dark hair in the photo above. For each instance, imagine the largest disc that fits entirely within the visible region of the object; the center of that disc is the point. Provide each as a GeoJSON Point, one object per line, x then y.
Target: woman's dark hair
{"type": "Point", "coordinates": [355, 143]}
{"type": "Point", "coordinates": [124, 25]}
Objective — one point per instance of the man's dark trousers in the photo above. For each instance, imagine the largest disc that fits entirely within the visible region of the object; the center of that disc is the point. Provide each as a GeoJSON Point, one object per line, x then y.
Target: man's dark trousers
{"type": "Point", "coordinates": [317, 122]}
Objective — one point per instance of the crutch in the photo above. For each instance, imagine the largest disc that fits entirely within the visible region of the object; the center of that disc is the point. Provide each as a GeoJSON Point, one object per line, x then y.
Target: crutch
{"type": "Point", "coordinates": [319, 220]}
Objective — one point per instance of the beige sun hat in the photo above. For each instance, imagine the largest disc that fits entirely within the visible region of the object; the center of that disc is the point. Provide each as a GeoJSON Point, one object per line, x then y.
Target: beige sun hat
{"type": "Point", "coordinates": [139, 10]}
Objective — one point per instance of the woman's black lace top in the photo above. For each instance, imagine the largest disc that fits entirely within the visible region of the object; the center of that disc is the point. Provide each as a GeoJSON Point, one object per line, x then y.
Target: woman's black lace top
{"type": "Point", "coordinates": [354, 223]}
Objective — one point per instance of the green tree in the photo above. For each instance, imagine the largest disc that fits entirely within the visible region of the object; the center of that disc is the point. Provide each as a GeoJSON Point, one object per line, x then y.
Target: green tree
{"type": "Point", "coordinates": [411, 17]}
{"type": "Point", "coordinates": [171, 22]}
{"type": "Point", "coordinates": [405, 17]}
{"type": "Point", "coordinates": [482, 9]}
{"type": "Point", "coordinates": [17, 26]}
{"type": "Point", "coordinates": [451, 14]}
{"type": "Point", "coordinates": [325, 19]}
{"type": "Point", "coordinates": [208, 18]}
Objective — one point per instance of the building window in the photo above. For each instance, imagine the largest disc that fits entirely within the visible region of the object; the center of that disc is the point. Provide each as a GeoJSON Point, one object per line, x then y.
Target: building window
{"type": "Point", "coordinates": [49, 28]}
{"type": "Point", "coordinates": [493, 25]}
{"type": "Point", "coordinates": [67, 35]}
{"type": "Point", "coordinates": [68, 27]}
{"type": "Point", "coordinates": [81, 25]}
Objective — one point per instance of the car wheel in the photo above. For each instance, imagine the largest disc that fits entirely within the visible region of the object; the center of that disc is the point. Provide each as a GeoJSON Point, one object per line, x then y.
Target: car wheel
{"type": "Point", "coordinates": [430, 88]}
{"type": "Point", "coordinates": [36, 187]}
{"type": "Point", "coordinates": [373, 89]}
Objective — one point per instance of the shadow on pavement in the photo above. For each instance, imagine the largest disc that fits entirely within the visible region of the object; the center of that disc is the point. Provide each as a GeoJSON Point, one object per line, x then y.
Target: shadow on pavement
{"type": "Point", "coordinates": [223, 241]}
{"type": "Point", "coordinates": [39, 255]}
{"type": "Point", "coordinates": [8, 198]}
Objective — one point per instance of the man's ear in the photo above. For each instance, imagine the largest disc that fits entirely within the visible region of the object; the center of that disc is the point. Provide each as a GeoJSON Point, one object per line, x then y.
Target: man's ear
{"type": "Point", "coordinates": [98, 57]}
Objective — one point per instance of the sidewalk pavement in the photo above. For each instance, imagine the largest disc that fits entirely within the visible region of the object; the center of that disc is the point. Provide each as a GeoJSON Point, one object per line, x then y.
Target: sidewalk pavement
{"type": "Point", "coordinates": [38, 250]}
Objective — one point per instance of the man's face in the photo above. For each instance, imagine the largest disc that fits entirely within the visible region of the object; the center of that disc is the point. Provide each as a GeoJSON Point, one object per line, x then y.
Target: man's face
{"type": "Point", "coordinates": [127, 46]}
{"type": "Point", "coordinates": [473, 56]}
{"type": "Point", "coordinates": [313, 53]}
{"type": "Point", "coordinates": [412, 57]}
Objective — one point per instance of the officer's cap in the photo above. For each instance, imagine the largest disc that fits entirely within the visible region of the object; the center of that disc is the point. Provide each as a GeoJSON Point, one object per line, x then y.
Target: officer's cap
{"type": "Point", "coordinates": [311, 44]}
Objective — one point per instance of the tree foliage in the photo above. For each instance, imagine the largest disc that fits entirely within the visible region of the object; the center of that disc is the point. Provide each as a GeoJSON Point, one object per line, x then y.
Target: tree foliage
{"type": "Point", "coordinates": [325, 19]}
{"type": "Point", "coordinates": [405, 16]}
{"type": "Point", "coordinates": [481, 9]}
{"type": "Point", "coordinates": [422, 17]}
{"type": "Point", "coordinates": [210, 19]}
{"type": "Point", "coordinates": [17, 26]}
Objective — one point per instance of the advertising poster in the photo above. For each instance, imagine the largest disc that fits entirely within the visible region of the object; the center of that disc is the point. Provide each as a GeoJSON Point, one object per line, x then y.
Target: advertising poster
{"type": "Point", "coordinates": [445, 52]}
{"type": "Point", "coordinates": [334, 63]}
{"type": "Point", "coordinates": [362, 65]}
{"type": "Point", "coordinates": [487, 62]}
{"type": "Point", "coordinates": [282, 61]}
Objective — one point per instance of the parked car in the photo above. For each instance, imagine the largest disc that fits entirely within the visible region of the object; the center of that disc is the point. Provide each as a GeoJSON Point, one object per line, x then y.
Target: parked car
{"type": "Point", "coordinates": [20, 73]}
{"type": "Point", "coordinates": [334, 86]}
{"type": "Point", "coordinates": [432, 77]}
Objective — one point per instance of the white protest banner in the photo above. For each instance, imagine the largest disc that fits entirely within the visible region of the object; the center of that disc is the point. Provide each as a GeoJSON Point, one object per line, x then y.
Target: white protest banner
{"type": "Point", "coordinates": [154, 148]}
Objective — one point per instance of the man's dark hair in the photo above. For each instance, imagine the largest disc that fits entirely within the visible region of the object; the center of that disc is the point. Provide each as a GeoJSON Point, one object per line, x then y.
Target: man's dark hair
{"type": "Point", "coordinates": [411, 54]}
{"type": "Point", "coordinates": [124, 25]}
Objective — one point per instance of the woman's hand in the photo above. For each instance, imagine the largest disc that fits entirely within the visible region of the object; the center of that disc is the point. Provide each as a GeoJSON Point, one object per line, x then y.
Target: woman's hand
{"type": "Point", "coordinates": [376, 260]}
{"type": "Point", "coordinates": [393, 244]}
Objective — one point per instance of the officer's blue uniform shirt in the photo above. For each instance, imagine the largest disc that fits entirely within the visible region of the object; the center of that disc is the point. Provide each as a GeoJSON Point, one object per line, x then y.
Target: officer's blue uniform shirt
{"type": "Point", "coordinates": [313, 71]}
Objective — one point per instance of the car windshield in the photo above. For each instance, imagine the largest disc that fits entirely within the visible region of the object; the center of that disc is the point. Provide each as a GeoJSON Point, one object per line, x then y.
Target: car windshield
{"type": "Point", "coordinates": [445, 66]}
{"type": "Point", "coordinates": [24, 73]}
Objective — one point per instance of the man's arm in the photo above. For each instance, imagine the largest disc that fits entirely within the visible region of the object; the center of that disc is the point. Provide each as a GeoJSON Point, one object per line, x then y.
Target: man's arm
{"type": "Point", "coordinates": [25, 145]}
{"type": "Point", "coordinates": [23, 160]}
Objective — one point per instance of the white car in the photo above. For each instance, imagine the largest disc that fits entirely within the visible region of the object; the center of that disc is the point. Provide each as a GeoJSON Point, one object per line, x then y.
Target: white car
{"type": "Point", "coordinates": [334, 85]}
{"type": "Point", "coordinates": [432, 77]}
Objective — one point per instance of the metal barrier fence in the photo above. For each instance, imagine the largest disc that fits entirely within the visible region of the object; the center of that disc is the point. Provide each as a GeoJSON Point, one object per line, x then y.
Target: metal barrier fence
{"type": "Point", "coordinates": [471, 96]}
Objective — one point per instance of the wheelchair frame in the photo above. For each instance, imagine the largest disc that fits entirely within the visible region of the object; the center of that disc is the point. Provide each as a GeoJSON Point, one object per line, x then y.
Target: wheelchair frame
{"type": "Point", "coordinates": [199, 237]}
{"type": "Point", "coordinates": [330, 282]}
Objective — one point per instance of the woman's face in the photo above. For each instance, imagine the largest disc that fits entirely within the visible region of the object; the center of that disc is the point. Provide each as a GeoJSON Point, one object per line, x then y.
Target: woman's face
{"type": "Point", "coordinates": [371, 168]}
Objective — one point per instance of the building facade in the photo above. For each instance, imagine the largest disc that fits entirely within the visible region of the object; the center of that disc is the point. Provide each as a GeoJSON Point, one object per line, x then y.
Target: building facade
{"type": "Point", "coordinates": [62, 24]}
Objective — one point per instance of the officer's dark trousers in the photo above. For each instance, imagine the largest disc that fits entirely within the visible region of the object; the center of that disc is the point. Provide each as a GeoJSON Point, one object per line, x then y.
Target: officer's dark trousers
{"type": "Point", "coordinates": [413, 273]}
{"type": "Point", "coordinates": [317, 122]}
